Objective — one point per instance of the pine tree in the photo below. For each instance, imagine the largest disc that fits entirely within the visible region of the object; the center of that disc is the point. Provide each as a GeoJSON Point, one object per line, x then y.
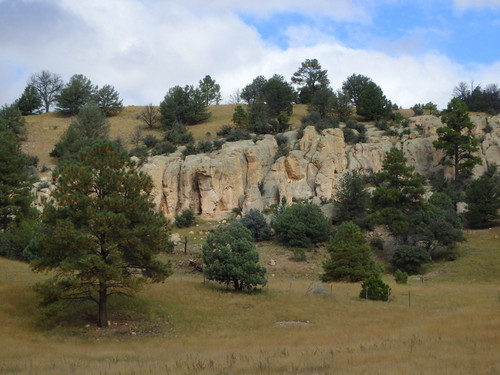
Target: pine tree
{"type": "Point", "coordinates": [350, 257]}
{"type": "Point", "coordinates": [456, 139]}
{"type": "Point", "coordinates": [231, 258]}
{"type": "Point", "coordinates": [483, 200]}
{"type": "Point", "coordinates": [101, 236]}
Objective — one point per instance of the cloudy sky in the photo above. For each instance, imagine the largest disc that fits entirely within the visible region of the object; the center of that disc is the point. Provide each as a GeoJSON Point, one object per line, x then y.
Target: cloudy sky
{"type": "Point", "coordinates": [417, 51]}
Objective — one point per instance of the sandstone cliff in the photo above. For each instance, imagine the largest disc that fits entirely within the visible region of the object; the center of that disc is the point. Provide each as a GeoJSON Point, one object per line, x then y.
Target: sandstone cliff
{"type": "Point", "coordinates": [246, 175]}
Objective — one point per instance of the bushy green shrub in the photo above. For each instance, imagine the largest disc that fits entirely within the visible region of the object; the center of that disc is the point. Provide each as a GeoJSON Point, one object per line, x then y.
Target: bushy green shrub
{"type": "Point", "coordinates": [256, 223]}
{"type": "Point", "coordinates": [410, 259]}
{"type": "Point", "coordinates": [301, 225]}
{"type": "Point", "coordinates": [375, 289]}
{"type": "Point", "coordinates": [401, 277]}
{"type": "Point", "coordinates": [224, 130]}
{"type": "Point", "coordinates": [163, 148]}
{"type": "Point", "coordinates": [150, 141]}
{"type": "Point", "coordinates": [141, 152]}
{"type": "Point", "coordinates": [185, 219]}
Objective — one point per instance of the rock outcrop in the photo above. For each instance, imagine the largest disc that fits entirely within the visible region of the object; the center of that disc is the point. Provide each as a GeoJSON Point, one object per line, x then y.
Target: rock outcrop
{"type": "Point", "coordinates": [245, 174]}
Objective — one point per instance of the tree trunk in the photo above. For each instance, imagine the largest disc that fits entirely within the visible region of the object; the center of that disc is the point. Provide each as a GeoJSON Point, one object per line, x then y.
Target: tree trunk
{"type": "Point", "coordinates": [103, 308]}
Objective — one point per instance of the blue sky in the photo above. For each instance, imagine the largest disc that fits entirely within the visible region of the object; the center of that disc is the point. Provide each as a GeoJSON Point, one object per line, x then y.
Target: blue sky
{"type": "Point", "coordinates": [417, 51]}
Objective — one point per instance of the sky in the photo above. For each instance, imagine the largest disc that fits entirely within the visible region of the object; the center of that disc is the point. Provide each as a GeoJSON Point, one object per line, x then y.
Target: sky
{"type": "Point", "coordinates": [416, 51]}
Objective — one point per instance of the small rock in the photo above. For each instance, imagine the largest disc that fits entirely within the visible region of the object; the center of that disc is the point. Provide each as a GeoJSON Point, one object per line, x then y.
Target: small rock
{"type": "Point", "coordinates": [271, 262]}
{"type": "Point", "coordinates": [191, 232]}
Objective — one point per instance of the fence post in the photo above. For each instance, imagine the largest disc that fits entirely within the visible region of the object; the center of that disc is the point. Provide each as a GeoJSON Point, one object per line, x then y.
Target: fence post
{"type": "Point", "coordinates": [409, 298]}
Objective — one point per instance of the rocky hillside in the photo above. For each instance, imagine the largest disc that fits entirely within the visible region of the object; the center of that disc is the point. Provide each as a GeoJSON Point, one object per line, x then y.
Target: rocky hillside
{"type": "Point", "coordinates": [246, 174]}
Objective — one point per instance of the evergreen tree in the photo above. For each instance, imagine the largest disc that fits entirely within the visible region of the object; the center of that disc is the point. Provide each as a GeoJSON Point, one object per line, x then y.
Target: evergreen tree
{"type": "Point", "coordinates": [372, 103]}
{"type": "Point", "coordinates": [398, 192]}
{"type": "Point", "coordinates": [90, 125]}
{"type": "Point", "coordinates": [350, 257]}
{"type": "Point", "coordinates": [184, 105]}
{"type": "Point", "coordinates": [256, 223]}
{"type": "Point", "coordinates": [354, 85]}
{"type": "Point", "coordinates": [456, 139]}
{"type": "Point", "coordinates": [483, 200]}
{"type": "Point", "coordinates": [231, 258]}
{"type": "Point", "coordinates": [12, 119]}
{"type": "Point", "coordinates": [108, 100]}
{"type": "Point", "coordinates": [351, 199]}
{"type": "Point", "coordinates": [210, 90]}
{"type": "Point", "coordinates": [30, 101]}
{"type": "Point", "coordinates": [15, 182]}
{"type": "Point", "coordinates": [77, 93]}
{"type": "Point", "coordinates": [301, 225]}
{"type": "Point", "coordinates": [101, 235]}
{"type": "Point", "coordinates": [310, 78]}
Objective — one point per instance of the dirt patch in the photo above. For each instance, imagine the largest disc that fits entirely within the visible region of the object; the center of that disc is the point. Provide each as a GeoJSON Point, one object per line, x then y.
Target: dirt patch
{"type": "Point", "coordinates": [292, 323]}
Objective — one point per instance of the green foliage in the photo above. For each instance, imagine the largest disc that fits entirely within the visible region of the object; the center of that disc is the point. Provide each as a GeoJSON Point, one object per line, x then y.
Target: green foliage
{"type": "Point", "coordinates": [401, 277]}
{"type": "Point", "coordinates": [398, 192]}
{"type": "Point", "coordinates": [15, 183]}
{"type": "Point", "coordinates": [102, 235]}
{"type": "Point", "coordinates": [77, 93]}
{"type": "Point", "coordinates": [185, 219]}
{"type": "Point", "coordinates": [375, 289]}
{"type": "Point", "coordinates": [436, 225]}
{"type": "Point", "coordinates": [257, 224]}
{"type": "Point", "coordinates": [30, 101]}
{"type": "Point", "coordinates": [483, 200]}
{"type": "Point", "coordinates": [301, 225]}
{"type": "Point", "coordinates": [456, 139]}
{"type": "Point", "coordinates": [410, 259]}
{"type": "Point", "coordinates": [178, 134]}
{"type": "Point", "coordinates": [231, 258]}
{"type": "Point", "coordinates": [150, 141]}
{"type": "Point", "coordinates": [372, 103]}
{"type": "Point", "coordinates": [270, 104]}
{"type": "Point", "coordinates": [90, 125]}
{"type": "Point", "coordinates": [184, 106]}
{"type": "Point", "coordinates": [310, 78]}
{"type": "Point", "coordinates": [350, 257]}
{"type": "Point", "coordinates": [210, 90]}
{"type": "Point", "coordinates": [354, 85]}
{"type": "Point", "coordinates": [163, 148]}
{"type": "Point", "coordinates": [478, 99]}
{"type": "Point", "coordinates": [108, 99]}
{"type": "Point", "coordinates": [11, 119]}
{"type": "Point", "coordinates": [16, 239]}
{"type": "Point", "coordinates": [351, 199]}
{"type": "Point", "coordinates": [341, 105]}
{"type": "Point", "coordinates": [240, 117]}
{"type": "Point", "coordinates": [141, 152]}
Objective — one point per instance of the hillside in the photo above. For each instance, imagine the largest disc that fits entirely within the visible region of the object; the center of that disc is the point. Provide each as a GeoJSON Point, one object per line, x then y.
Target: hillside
{"type": "Point", "coordinates": [446, 323]}
{"type": "Point", "coordinates": [44, 130]}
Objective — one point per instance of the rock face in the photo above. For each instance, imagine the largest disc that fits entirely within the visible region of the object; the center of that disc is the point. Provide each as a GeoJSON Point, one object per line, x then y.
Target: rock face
{"type": "Point", "coordinates": [245, 174]}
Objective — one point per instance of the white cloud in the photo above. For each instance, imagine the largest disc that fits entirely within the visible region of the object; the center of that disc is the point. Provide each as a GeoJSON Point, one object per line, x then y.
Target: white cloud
{"type": "Point", "coordinates": [477, 4]}
{"type": "Point", "coordinates": [145, 47]}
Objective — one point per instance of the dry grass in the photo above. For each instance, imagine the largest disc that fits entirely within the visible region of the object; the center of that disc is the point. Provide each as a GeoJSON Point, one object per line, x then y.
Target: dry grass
{"type": "Point", "coordinates": [44, 130]}
{"type": "Point", "coordinates": [189, 327]}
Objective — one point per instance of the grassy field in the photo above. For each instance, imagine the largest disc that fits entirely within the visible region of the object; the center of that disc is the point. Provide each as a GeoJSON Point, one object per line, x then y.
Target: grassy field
{"type": "Point", "coordinates": [449, 323]}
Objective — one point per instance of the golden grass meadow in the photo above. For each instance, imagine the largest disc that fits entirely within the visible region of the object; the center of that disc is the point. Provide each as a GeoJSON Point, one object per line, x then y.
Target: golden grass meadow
{"type": "Point", "coordinates": [447, 322]}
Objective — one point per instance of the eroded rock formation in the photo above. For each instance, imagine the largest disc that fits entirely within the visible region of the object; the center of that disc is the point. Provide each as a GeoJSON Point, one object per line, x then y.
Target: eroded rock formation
{"type": "Point", "coordinates": [245, 174]}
